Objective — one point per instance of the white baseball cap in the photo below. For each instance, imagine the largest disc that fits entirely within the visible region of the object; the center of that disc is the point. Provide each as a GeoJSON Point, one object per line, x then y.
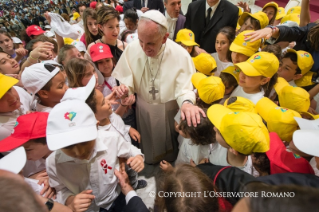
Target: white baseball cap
{"type": "Point", "coordinates": [307, 138]}
{"type": "Point", "coordinates": [80, 93]}
{"type": "Point", "coordinates": [132, 37]}
{"type": "Point", "coordinates": [156, 16]}
{"type": "Point", "coordinates": [70, 122]}
{"type": "Point", "coordinates": [14, 161]}
{"type": "Point", "coordinates": [49, 34]}
{"type": "Point", "coordinates": [16, 40]}
{"type": "Point", "coordinates": [47, 27]}
{"type": "Point", "coordinates": [36, 76]}
{"type": "Point", "coordinates": [79, 45]}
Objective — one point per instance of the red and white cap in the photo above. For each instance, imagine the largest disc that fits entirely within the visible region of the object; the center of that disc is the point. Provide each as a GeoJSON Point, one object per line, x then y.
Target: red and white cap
{"type": "Point", "coordinates": [70, 122]}
{"type": "Point", "coordinates": [27, 127]}
{"type": "Point", "coordinates": [14, 161]}
{"type": "Point", "coordinates": [34, 30]}
{"type": "Point", "coordinates": [100, 51]}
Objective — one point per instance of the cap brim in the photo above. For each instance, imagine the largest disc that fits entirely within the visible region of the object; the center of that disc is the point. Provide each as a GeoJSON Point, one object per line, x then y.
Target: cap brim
{"type": "Point", "coordinates": [65, 139]}
{"type": "Point", "coordinates": [242, 18]}
{"type": "Point", "coordinates": [216, 113]}
{"type": "Point", "coordinates": [189, 43]}
{"type": "Point", "coordinates": [11, 143]}
{"type": "Point", "coordinates": [281, 83]}
{"type": "Point", "coordinates": [307, 141]}
{"type": "Point", "coordinates": [240, 49]}
{"type": "Point", "coordinates": [305, 124]}
{"type": "Point", "coordinates": [264, 106]}
{"type": "Point", "coordinates": [14, 161]}
{"type": "Point", "coordinates": [100, 57]}
{"type": "Point", "coordinates": [38, 32]}
{"type": "Point", "coordinates": [197, 77]}
{"type": "Point", "coordinates": [248, 69]}
{"type": "Point", "coordinates": [10, 82]}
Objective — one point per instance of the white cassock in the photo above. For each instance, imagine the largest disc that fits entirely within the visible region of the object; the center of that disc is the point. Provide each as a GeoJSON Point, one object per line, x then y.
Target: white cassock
{"type": "Point", "coordinates": [155, 111]}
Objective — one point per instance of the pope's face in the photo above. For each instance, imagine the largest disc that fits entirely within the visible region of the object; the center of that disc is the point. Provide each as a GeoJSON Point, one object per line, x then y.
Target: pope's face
{"type": "Point", "coordinates": [150, 37]}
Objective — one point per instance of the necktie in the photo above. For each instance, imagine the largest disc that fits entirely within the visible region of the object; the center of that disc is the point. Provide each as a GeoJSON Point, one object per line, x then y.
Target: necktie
{"type": "Point", "coordinates": [209, 11]}
{"type": "Point", "coordinates": [143, 3]}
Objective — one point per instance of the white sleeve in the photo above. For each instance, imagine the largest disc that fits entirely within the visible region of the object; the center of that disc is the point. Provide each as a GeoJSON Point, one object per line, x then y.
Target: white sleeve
{"type": "Point", "coordinates": [126, 149]}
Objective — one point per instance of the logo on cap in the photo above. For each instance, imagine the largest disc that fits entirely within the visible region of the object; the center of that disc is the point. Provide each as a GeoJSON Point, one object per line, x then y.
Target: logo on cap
{"type": "Point", "coordinates": [69, 115]}
{"type": "Point", "coordinates": [245, 41]}
{"type": "Point", "coordinates": [190, 35]}
{"type": "Point", "coordinates": [236, 113]}
{"type": "Point", "coordinates": [101, 48]}
{"type": "Point", "coordinates": [16, 124]}
{"type": "Point", "coordinates": [306, 54]}
{"type": "Point", "coordinates": [257, 57]}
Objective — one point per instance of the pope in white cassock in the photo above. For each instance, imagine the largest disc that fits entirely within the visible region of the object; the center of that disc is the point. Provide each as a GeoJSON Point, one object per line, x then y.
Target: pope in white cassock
{"type": "Point", "coordinates": [159, 71]}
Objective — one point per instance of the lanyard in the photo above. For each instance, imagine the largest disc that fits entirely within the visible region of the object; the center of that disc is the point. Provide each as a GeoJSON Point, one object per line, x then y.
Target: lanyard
{"type": "Point", "coordinates": [108, 85]}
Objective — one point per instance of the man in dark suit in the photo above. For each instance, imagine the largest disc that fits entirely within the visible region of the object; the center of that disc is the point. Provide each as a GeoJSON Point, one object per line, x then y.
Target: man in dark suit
{"type": "Point", "coordinates": [175, 20]}
{"type": "Point", "coordinates": [145, 5]}
{"type": "Point", "coordinates": [206, 17]}
{"type": "Point", "coordinates": [127, 5]}
{"type": "Point", "coordinates": [62, 10]}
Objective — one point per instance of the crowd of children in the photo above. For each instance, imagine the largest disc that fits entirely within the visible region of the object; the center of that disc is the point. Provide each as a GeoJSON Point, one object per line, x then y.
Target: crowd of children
{"type": "Point", "coordinates": [64, 129]}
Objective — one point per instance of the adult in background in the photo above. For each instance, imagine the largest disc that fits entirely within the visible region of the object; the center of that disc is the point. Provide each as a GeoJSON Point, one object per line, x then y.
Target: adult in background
{"type": "Point", "coordinates": [149, 68]}
{"type": "Point", "coordinates": [206, 17]}
{"type": "Point", "coordinates": [145, 5]}
{"type": "Point", "coordinates": [175, 20]}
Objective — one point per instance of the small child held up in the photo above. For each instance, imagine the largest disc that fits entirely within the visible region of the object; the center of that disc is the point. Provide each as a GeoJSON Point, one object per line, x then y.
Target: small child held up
{"type": "Point", "coordinates": [83, 164]}
{"type": "Point", "coordinates": [47, 82]}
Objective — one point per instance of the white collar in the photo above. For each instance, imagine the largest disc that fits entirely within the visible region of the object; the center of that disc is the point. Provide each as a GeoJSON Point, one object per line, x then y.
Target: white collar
{"type": "Point", "coordinates": [168, 17]}
{"type": "Point", "coordinates": [213, 7]}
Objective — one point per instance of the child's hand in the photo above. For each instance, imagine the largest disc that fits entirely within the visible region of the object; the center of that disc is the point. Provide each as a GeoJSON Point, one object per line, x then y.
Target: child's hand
{"type": "Point", "coordinates": [82, 201]}
{"type": "Point", "coordinates": [135, 134]}
{"type": "Point", "coordinates": [128, 100]}
{"type": "Point", "coordinates": [47, 190]}
{"type": "Point", "coordinates": [112, 98]}
{"type": "Point", "coordinates": [136, 163]}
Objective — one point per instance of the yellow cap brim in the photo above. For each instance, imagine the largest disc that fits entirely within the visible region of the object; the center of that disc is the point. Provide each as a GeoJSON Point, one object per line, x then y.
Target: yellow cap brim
{"type": "Point", "coordinates": [264, 106]}
{"type": "Point", "coordinates": [242, 18]}
{"type": "Point", "coordinates": [6, 84]}
{"type": "Point", "coordinates": [188, 43]}
{"type": "Point", "coordinates": [271, 4]}
{"type": "Point", "coordinates": [281, 83]}
{"type": "Point", "coordinates": [197, 77]}
{"type": "Point", "coordinates": [241, 49]}
{"type": "Point", "coordinates": [216, 114]}
{"type": "Point", "coordinates": [279, 16]}
{"type": "Point", "coordinates": [248, 69]}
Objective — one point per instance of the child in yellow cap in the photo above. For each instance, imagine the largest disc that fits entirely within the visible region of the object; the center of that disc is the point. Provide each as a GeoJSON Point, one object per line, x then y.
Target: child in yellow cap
{"type": "Point", "coordinates": [205, 63]}
{"type": "Point", "coordinates": [229, 77]}
{"type": "Point", "coordinates": [256, 21]}
{"type": "Point", "coordinates": [271, 9]}
{"type": "Point", "coordinates": [294, 17]}
{"type": "Point", "coordinates": [241, 49]}
{"type": "Point", "coordinates": [186, 38]}
{"type": "Point", "coordinates": [257, 76]}
{"type": "Point", "coordinates": [239, 134]}
{"type": "Point", "coordinates": [294, 65]}
{"type": "Point", "coordinates": [281, 13]}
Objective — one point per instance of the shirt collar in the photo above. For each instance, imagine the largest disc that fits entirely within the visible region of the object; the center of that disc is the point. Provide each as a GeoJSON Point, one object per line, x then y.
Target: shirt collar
{"type": "Point", "coordinates": [168, 17]}
{"type": "Point", "coordinates": [213, 7]}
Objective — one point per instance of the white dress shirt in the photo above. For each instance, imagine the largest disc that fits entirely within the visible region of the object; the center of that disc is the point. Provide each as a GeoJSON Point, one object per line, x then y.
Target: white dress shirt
{"type": "Point", "coordinates": [171, 25]}
{"type": "Point", "coordinates": [70, 176]}
{"type": "Point", "coordinates": [213, 9]}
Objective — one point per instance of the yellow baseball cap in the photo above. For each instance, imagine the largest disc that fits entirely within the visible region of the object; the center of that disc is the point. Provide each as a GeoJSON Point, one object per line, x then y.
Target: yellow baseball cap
{"type": "Point", "coordinates": [68, 41]}
{"type": "Point", "coordinates": [294, 17]}
{"type": "Point", "coordinates": [240, 11]}
{"type": "Point", "coordinates": [271, 4]}
{"type": "Point", "coordinates": [205, 63]}
{"type": "Point", "coordinates": [260, 64]}
{"type": "Point", "coordinates": [76, 15]}
{"type": "Point", "coordinates": [279, 119]}
{"type": "Point", "coordinates": [280, 84]}
{"type": "Point", "coordinates": [281, 13]}
{"type": "Point", "coordinates": [210, 89]}
{"type": "Point", "coordinates": [240, 104]}
{"type": "Point", "coordinates": [233, 71]}
{"type": "Point", "coordinates": [292, 10]}
{"type": "Point", "coordinates": [6, 83]}
{"type": "Point", "coordinates": [309, 116]}
{"type": "Point", "coordinates": [246, 47]}
{"type": "Point", "coordinates": [186, 37]}
{"type": "Point", "coordinates": [304, 60]}
{"type": "Point", "coordinates": [294, 98]}
{"type": "Point", "coordinates": [305, 80]}
{"type": "Point", "coordinates": [260, 16]}
{"type": "Point", "coordinates": [243, 131]}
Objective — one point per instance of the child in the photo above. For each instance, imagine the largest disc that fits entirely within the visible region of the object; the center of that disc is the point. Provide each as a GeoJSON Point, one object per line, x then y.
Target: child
{"type": "Point", "coordinates": [186, 38]}
{"type": "Point", "coordinates": [82, 167]}
{"type": "Point", "coordinates": [238, 104]}
{"type": "Point", "coordinates": [205, 63]}
{"type": "Point", "coordinates": [241, 49]}
{"type": "Point", "coordinates": [45, 81]}
{"type": "Point", "coordinates": [257, 76]}
{"type": "Point", "coordinates": [238, 134]}
{"type": "Point", "coordinates": [131, 19]}
{"type": "Point", "coordinates": [281, 13]}
{"type": "Point", "coordinates": [14, 101]}
{"type": "Point", "coordinates": [8, 65]}
{"type": "Point", "coordinates": [256, 21]}
{"type": "Point", "coordinates": [271, 9]}
{"type": "Point", "coordinates": [222, 56]}
{"type": "Point", "coordinates": [294, 65]}
{"type": "Point", "coordinates": [229, 77]}
{"type": "Point", "coordinates": [90, 27]}
{"type": "Point", "coordinates": [30, 132]}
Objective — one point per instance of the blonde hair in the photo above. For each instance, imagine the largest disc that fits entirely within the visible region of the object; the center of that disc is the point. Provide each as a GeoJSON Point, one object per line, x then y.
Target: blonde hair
{"type": "Point", "coordinates": [75, 70]}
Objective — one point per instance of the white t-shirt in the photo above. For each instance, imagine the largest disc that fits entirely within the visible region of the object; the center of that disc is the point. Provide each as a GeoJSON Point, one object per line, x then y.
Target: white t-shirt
{"type": "Point", "coordinates": [292, 83]}
{"type": "Point", "coordinates": [33, 167]}
{"type": "Point", "coordinates": [42, 108]}
{"type": "Point", "coordinates": [252, 97]}
{"type": "Point", "coordinates": [220, 65]}
{"type": "Point", "coordinates": [8, 120]}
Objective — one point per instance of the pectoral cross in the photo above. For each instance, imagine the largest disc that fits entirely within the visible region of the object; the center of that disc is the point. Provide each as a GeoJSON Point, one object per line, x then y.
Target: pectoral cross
{"type": "Point", "coordinates": [153, 91]}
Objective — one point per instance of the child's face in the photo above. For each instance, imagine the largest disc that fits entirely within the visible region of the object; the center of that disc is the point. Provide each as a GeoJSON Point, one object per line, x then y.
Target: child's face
{"type": "Point", "coordinates": [88, 75]}
{"type": "Point", "coordinates": [220, 139]}
{"type": "Point", "coordinates": [189, 49]}
{"type": "Point", "coordinates": [103, 106]}
{"type": "Point", "coordinates": [228, 89]}
{"type": "Point", "coordinates": [92, 26]}
{"type": "Point", "coordinates": [287, 69]}
{"type": "Point", "coordinates": [238, 57]}
{"type": "Point", "coordinates": [105, 66]}
{"type": "Point", "coordinates": [270, 12]}
{"type": "Point", "coordinates": [36, 151]}
{"type": "Point", "coordinates": [251, 82]}
{"type": "Point", "coordinates": [57, 89]}
{"type": "Point", "coordinates": [247, 25]}
{"type": "Point", "coordinates": [110, 29]}
{"type": "Point", "coordinates": [130, 25]}
{"type": "Point", "coordinates": [8, 65]}
{"type": "Point", "coordinates": [222, 44]}
{"type": "Point", "coordinates": [6, 43]}
{"type": "Point", "coordinates": [10, 101]}
{"type": "Point", "coordinates": [82, 151]}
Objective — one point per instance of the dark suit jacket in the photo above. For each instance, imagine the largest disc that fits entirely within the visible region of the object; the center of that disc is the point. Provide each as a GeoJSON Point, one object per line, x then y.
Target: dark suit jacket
{"type": "Point", "coordinates": [135, 205]}
{"type": "Point", "coordinates": [127, 5]}
{"type": "Point", "coordinates": [152, 5]}
{"type": "Point", "coordinates": [63, 11]}
{"type": "Point", "coordinates": [179, 24]}
{"type": "Point", "coordinates": [226, 14]}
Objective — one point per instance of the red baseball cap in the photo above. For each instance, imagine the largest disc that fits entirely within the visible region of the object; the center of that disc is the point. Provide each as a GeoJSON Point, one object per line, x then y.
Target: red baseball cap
{"type": "Point", "coordinates": [119, 8]}
{"type": "Point", "coordinates": [34, 30]}
{"type": "Point", "coordinates": [282, 161]}
{"type": "Point", "coordinates": [100, 51]}
{"type": "Point", "coordinates": [27, 127]}
{"type": "Point", "coordinates": [93, 4]}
